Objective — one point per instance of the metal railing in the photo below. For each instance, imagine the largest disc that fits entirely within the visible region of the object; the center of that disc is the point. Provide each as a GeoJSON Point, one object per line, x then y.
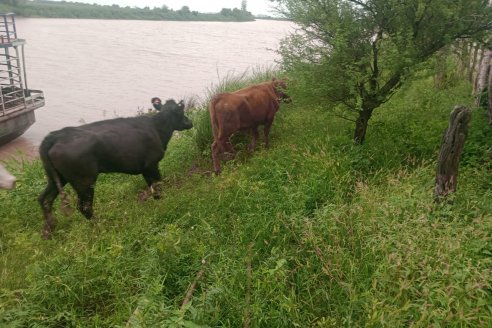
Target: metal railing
{"type": "Point", "coordinates": [15, 95]}
{"type": "Point", "coordinates": [12, 87]}
{"type": "Point", "coordinates": [8, 31]}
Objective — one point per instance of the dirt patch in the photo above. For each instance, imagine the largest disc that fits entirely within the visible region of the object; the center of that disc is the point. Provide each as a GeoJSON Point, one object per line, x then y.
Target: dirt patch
{"type": "Point", "coordinates": [196, 169]}
{"type": "Point", "coordinates": [19, 150]}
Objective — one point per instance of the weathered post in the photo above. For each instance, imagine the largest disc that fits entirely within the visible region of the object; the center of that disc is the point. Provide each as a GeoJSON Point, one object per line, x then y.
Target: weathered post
{"type": "Point", "coordinates": [452, 145]}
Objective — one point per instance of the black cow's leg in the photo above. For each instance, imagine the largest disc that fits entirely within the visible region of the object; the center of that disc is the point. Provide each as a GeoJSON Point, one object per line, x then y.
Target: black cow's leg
{"type": "Point", "coordinates": [268, 125]}
{"type": "Point", "coordinates": [85, 195]}
{"type": "Point", "coordinates": [46, 200]}
{"type": "Point", "coordinates": [152, 176]}
{"type": "Point", "coordinates": [254, 133]}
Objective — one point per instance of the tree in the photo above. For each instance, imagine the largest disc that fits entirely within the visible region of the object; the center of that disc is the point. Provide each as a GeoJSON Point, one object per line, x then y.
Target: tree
{"type": "Point", "coordinates": [244, 5]}
{"type": "Point", "coordinates": [13, 2]}
{"type": "Point", "coordinates": [226, 12]}
{"type": "Point", "coordinates": [184, 10]}
{"type": "Point", "coordinates": [357, 53]}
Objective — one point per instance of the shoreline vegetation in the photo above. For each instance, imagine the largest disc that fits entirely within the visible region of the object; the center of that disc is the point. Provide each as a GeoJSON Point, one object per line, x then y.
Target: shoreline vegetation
{"type": "Point", "coordinates": [64, 9]}
{"type": "Point", "coordinates": [313, 232]}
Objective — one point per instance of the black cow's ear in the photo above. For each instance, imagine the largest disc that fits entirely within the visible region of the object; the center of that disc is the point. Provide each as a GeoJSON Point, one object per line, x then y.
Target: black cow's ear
{"type": "Point", "coordinates": [157, 103]}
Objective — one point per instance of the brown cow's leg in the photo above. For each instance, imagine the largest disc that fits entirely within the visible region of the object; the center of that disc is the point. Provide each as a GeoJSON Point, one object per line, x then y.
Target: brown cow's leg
{"type": "Point", "coordinates": [215, 156]}
{"type": "Point", "coordinates": [46, 200]}
{"type": "Point", "coordinates": [229, 147]}
{"type": "Point", "coordinates": [268, 125]}
{"type": "Point", "coordinates": [219, 147]}
{"type": "Point", "coordinates": [254, 133]}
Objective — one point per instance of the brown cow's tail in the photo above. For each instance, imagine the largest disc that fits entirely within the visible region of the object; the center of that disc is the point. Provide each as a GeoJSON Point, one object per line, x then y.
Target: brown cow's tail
{"type": "Point", "coordinates": [51, 172]}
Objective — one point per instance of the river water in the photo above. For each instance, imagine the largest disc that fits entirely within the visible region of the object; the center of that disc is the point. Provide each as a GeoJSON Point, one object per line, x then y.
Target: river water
{"type": "Point", "coordinates": [99, 69]}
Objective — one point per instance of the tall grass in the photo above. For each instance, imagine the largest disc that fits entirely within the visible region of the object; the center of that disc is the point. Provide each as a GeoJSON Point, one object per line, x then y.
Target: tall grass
{"type": "Point", "coordinates": [313, 232]}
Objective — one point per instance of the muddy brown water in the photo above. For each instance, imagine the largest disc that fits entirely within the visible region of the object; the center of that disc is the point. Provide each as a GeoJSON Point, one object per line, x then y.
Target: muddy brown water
{"type": "Point", "coordinates": [91, 70]}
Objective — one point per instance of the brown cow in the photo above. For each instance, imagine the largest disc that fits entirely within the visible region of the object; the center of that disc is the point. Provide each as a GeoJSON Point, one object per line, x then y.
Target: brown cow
{"type": "Point", "coordinates": [244, 109]}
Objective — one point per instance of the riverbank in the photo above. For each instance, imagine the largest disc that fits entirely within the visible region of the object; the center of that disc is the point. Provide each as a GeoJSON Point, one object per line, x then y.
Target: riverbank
{"type": "Point", "coordinates": [92, 72]}
{"type": "Point", "coordinates": [57, 9]}
{"type": "Point", "coordinates": [312, 232]}
{"type": "Point", "coordinates": [20, 149]}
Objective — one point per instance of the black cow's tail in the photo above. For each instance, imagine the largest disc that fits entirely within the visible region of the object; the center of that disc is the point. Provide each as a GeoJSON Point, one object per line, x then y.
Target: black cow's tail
{"type": "Point", "coordinates": [51, 172]}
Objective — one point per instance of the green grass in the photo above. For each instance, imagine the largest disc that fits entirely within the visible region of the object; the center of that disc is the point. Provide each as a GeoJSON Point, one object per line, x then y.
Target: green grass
{"type": "Point", "coordinates": [335, 235]}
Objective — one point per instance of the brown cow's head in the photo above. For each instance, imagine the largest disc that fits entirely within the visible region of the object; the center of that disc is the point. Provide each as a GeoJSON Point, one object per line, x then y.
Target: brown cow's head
{"type": "Point", "coordinates": [181, 122]}
{"type": "Point", "coordinates": [280, 86]}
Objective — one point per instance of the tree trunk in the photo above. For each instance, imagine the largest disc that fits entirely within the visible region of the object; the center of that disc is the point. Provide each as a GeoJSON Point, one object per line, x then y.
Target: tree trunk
{"type": "Point", "coordinates": [361, 125]}
{"type": "Point", "coordinates": [483, 71]}
{"type": "Point", "coordinates": [441, 67]}
{"type": "Point", "coordinates": [472, 61]}
{"type": "Point", "coordinates": [489, 105]}
{"type": "Point", "coordinates": [483, 75]}
{"type": "Point", "coordinates": [464, 57]}
{"type": "Point", "coordinates": [450, 152]}
{"type": "Point", "coordinates": [477, 77]}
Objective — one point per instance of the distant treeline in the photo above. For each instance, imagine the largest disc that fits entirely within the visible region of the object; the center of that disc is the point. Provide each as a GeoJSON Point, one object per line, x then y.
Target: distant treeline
{"type": "Point", "coordinates": [63, 9]}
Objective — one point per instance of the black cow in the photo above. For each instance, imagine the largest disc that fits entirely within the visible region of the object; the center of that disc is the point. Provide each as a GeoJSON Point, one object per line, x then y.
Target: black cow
{"type": "Point", "coordinates": [76, 155]}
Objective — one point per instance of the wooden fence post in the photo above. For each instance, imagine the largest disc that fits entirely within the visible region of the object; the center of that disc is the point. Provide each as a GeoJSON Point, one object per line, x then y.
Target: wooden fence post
{"type": "Point", "coordinates": [452, 145]}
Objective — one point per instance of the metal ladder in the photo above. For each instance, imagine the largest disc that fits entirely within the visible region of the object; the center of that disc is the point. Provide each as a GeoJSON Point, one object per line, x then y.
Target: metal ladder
{"type": "Point", "coordinates": [12, 88]}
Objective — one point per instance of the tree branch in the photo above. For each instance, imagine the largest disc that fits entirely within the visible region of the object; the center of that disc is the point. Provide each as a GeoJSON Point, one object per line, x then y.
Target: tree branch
{"type": "Point", "coordinates": [391, 84]}
{"type": "Point", "coordinates": [192, 288]}
{"type": "Point", "coordinates": [362, 4]}
{"type": "Point", "coordinates": [375, 68]}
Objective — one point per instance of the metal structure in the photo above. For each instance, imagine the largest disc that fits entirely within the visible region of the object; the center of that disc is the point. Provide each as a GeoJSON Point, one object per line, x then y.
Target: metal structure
{"type": "Point", "coordinates": [17, 101]}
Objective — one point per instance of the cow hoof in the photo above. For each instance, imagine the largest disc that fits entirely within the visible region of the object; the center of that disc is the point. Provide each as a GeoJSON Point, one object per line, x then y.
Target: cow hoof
{"type": "Point", "coordinates": [66, 209]}
{"type": "Point", "coordinates": [142, 197]}
{"type": "Point", "coordinates": [45, 234]}
{"type": "Point", "coordinates": [229, 156]}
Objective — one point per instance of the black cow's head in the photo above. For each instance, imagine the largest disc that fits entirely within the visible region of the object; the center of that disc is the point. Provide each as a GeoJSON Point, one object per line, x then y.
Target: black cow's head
{"type": "Point", "coordinates": [181, 122]}
{"type": "Point", "coordinates": [280, 86]}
